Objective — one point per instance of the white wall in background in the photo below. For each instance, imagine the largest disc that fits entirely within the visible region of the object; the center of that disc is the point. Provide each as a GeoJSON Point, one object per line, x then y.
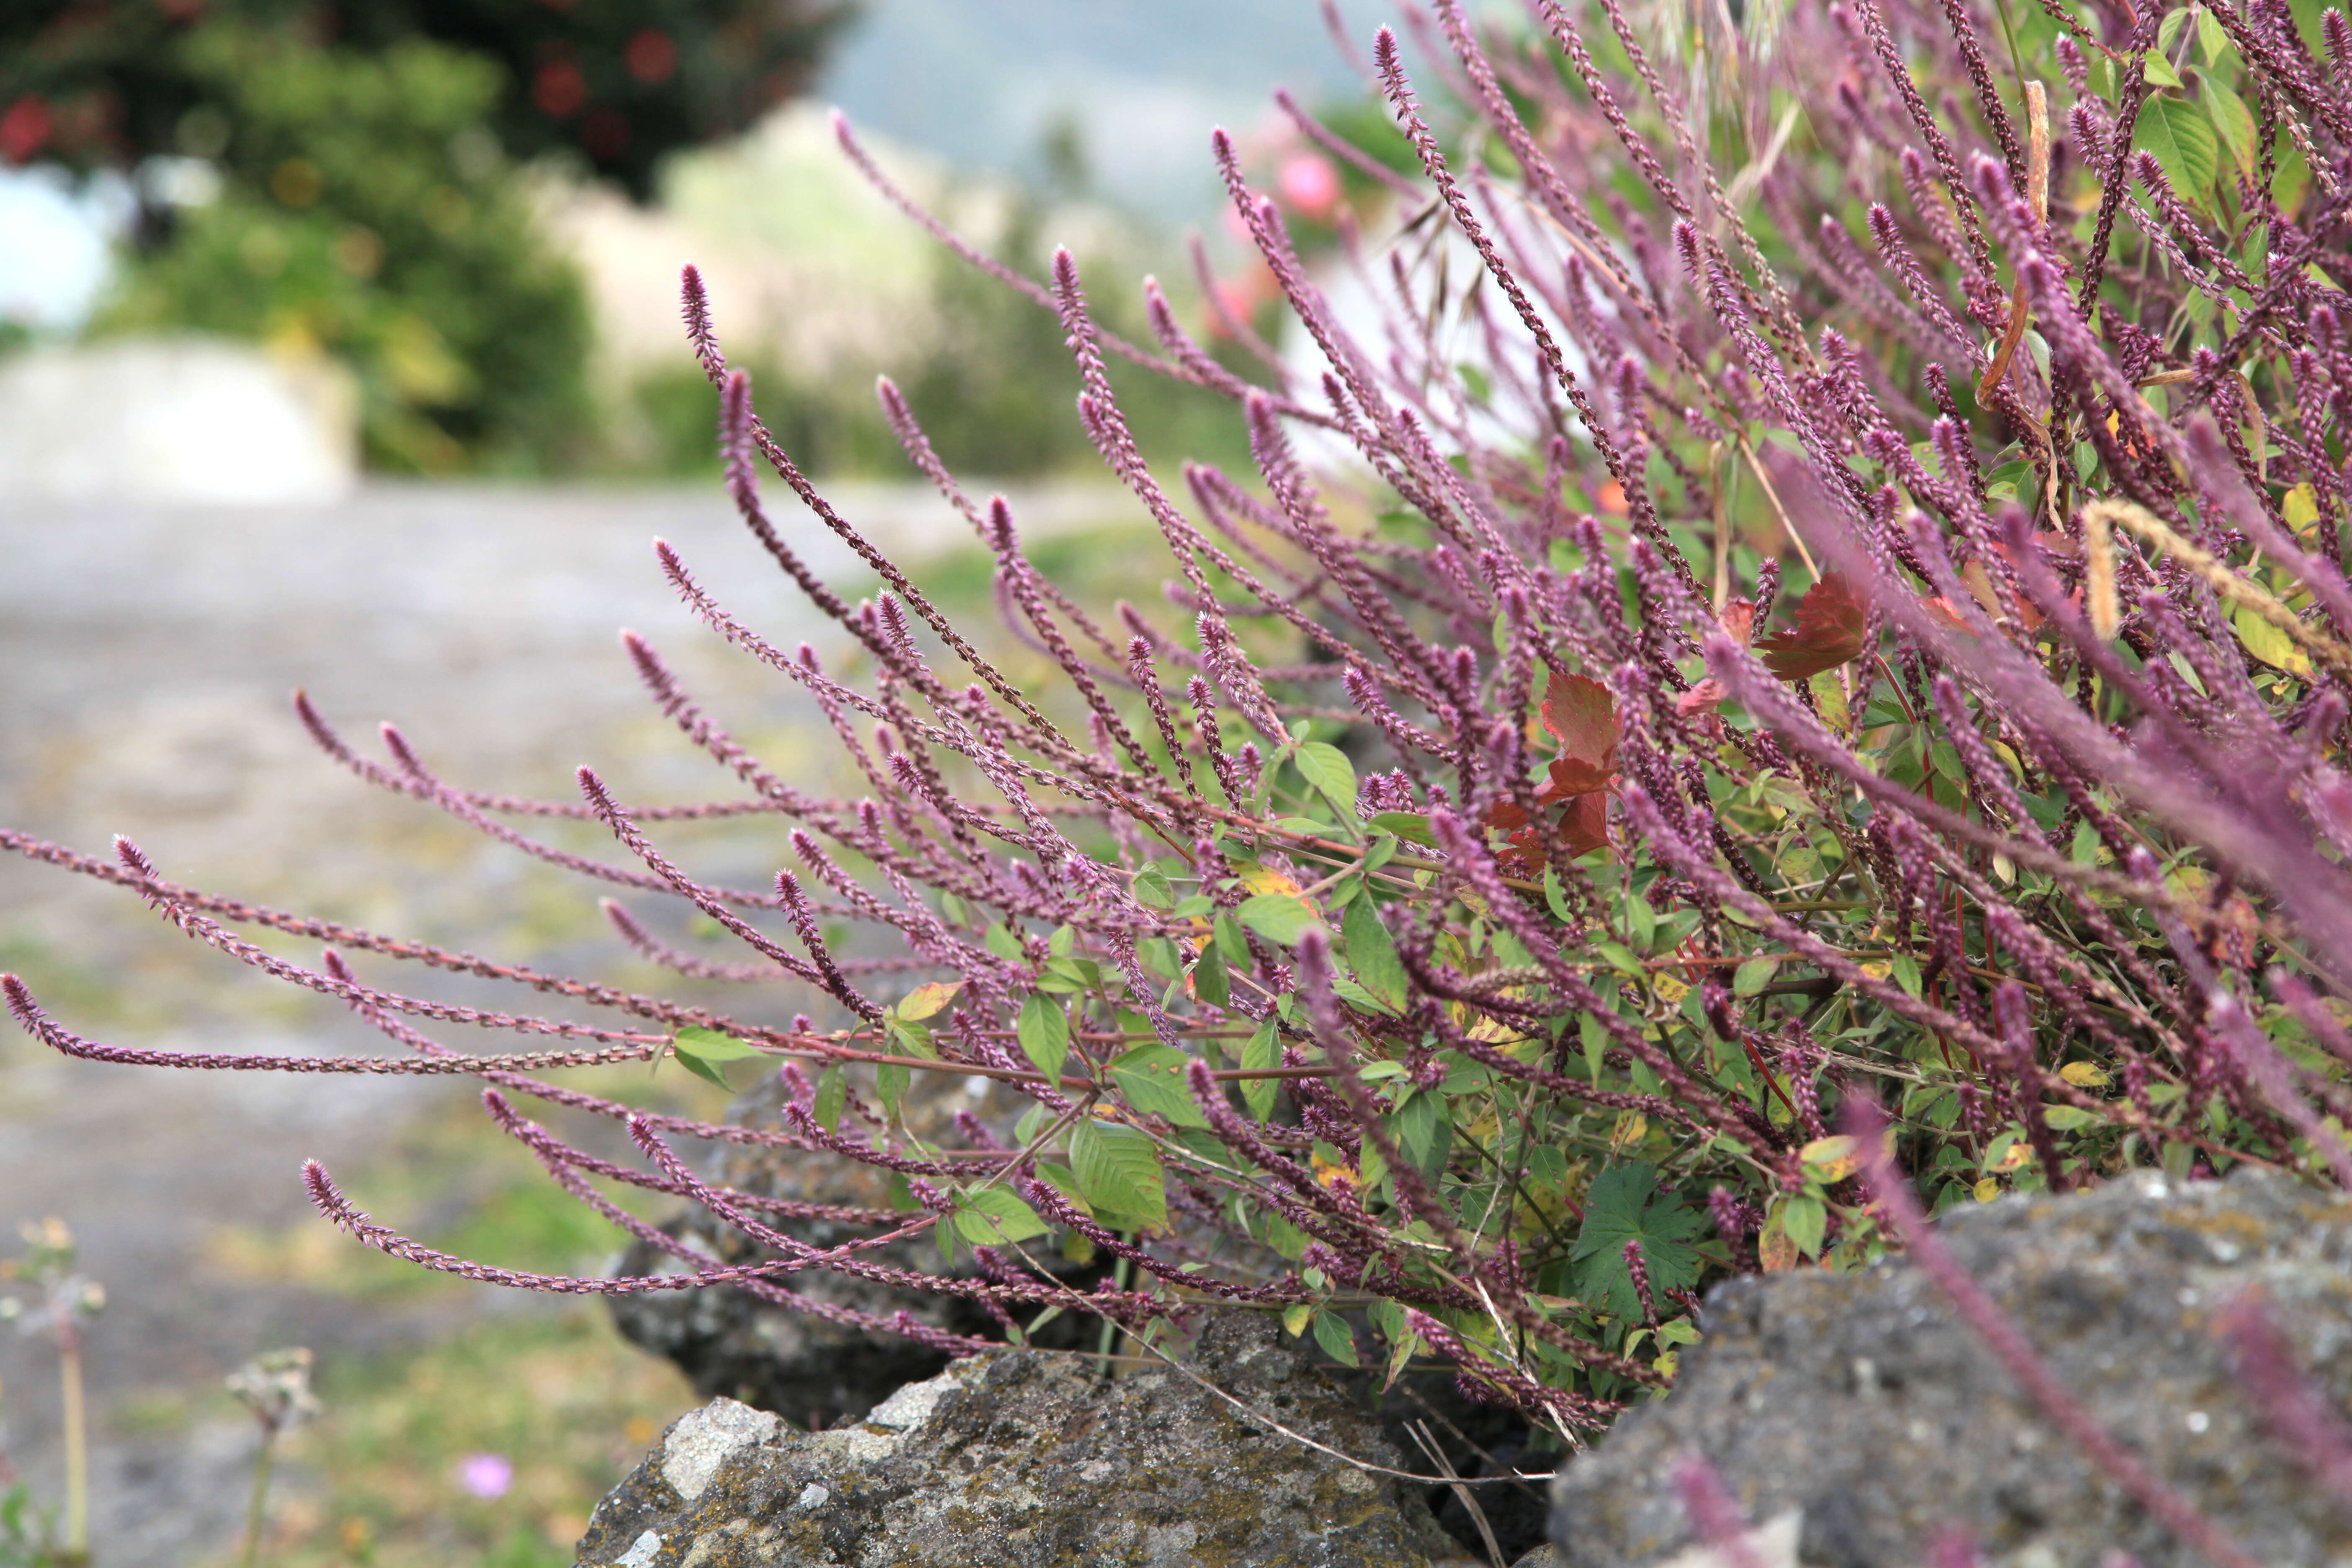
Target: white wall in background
{"type": "Point", "coordinates": [181, 419]}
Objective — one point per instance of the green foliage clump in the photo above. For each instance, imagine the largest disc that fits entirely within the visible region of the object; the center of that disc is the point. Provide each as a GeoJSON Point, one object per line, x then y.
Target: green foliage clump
{"type": "Point", "coordinates": [368, 212]}
{"type": "Point", "coordinates": [614, 88]}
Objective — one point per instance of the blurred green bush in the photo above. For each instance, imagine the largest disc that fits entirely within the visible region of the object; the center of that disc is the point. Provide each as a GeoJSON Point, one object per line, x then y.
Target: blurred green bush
{"type": "Point", "coordinates": [107, 82]}
{"type": "Point", "coordinates": [369, 204]}
{"type": "Point", "coordinates": [368, 211]}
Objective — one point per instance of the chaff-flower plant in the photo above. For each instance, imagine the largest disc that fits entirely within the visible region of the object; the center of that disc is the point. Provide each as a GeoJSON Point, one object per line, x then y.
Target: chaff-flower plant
{"type": "Point", "coordinates": [1832, 594]}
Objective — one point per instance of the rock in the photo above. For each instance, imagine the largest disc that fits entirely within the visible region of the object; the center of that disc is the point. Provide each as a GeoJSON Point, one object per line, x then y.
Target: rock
{"type": "Point", "coordinates": [1856, 1412]}
{"type": "Point", "coordinates": [1021, 1458]}
{"type": "Point", "coordinates": [814, 1373]}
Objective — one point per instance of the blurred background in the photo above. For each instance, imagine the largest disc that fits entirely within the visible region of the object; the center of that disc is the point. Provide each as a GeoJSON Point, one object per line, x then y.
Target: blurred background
{"type": "Point", "coordinates": [339, 348]}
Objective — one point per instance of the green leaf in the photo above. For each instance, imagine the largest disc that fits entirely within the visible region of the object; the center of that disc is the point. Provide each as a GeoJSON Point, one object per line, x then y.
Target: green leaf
{"type": "Point", "coordinates": [1277, 917]}
{"type": "Point", "coordinates": [924, 1001]}
{"type": "Point", "coordinates": [995, 1217]}
{"type": "Point", "coordinates": [1326, 769]}
{"type": "Point", "coordinates": [1062, 942]}
{"type": "Point", "coordinates": [2211, 37]}
{"type": "Point", "coordinates": [1151, 887]}
{"type": "Point", "coordinates": [1752, 976]}
{"type": "Point", "coordinates": [1263, 1052]}
{"type": "Point", "coordinates": [1372, 954]}
{"type": "Point", "coordinates": [1906, 969]}
{"type": "Point", "coordinates": [1624, 1204]}
{"type": "Point", "coordinates": [1338, 1340]}
{"type": "Point", "coordinates": [1806, 1221]}
{"type": "Point", "coordinates": [707, 1071]}
{"type": "Point", "coordinates": [699, 1051]}
{"type": "Point", "coordinates": [2183, 141]}
{"type": "Point", "coordinates": [1151, 1077]}
{"type": "Point", "coordinates": [2168, 32]}
{"type": "Point", "coordinates": [831, 1094]}
{"type": "Point", "coordinates": [911, 1039]}
{"type": "Point", "coordinates": [1044, 1030]}
{"type": "Point", "coordinates": [1293, 1316]}
{"type": "Point", "coordinates": [1410, 825]}
{"type": "Point", "coordinates": [2233, 126]}
{"type": "Point", "coordinates": [890, 1082]}
{"type": "Point", "coordinates": [1161, 956]}
{"type": "Point", "coordinates": [1356, 996]}
{"type": "Point", "coordinates": [1003, 943]}
{"type": "Point", "coordinates": [1210, 982]}
{"type": "Point", "coordinates": [710, 1046]}
{"type": "Point", "coordinates": [2159, 72]}
{"type": "Point", "coordinates": [1117, 1171]}
{"type": "Point", "coordinates": [1232, 942]}
{"type": "Point", "coordinates": [1556, 897]}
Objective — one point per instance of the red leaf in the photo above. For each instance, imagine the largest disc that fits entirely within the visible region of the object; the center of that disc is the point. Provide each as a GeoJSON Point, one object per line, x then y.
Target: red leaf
{"type": "Point", "coordinates": [1705, 694]}
{"type": "Point", "coordinates": [1583, 716]}
{"type": "Point", "coordinates": [1830, 620]}
{"type": "Point", "coordinates": [1584, 827]}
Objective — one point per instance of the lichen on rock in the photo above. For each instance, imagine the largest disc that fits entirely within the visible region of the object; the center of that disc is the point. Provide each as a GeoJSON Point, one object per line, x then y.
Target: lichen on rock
{"type": "Point", "coordinates": [1862, 1404]}
{"type": "Point", "coordinates": [1029, 1461]}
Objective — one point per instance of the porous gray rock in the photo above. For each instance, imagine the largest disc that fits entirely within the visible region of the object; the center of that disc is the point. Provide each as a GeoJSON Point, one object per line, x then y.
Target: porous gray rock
{"type": "Point", "coordinates": [1863, 1405]}
{"type": "Point", "coordinates": [1021, 1460]}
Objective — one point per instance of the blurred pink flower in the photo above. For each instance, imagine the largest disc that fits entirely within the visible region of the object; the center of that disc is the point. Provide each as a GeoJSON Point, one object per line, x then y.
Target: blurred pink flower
{"type": "Point", "coordinates": [486, 1475]}
{"type": "Point", "coordinates": [1309, 183]}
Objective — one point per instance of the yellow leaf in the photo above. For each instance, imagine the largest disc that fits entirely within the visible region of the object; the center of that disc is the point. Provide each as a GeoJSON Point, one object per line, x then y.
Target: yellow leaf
{"type": "Point", "coordinates": [2191, 880]}
{"type": "Point", "coordinates": [925, 1000]}
{"type": "Point", "coordinates": [2268, 643]}
{"type": "Point", "coordinates": [1988, 1190]}
{"type": "Point", "coordinates": [1831, 695]}
{"type": "Point", "coordinates": [1260, 878]}
{"type": "Point", "coordinates": [2301, 505]}
{"type": "Point", "coordinates": [2019, 1154]}
{"type": "Point", "coordinates": [1776, 1250]}
{"type": "Point", "coordinates": [1327, 1174]}
{"type": "Point", "coordinates": [1670, 990]}
{"type": "Point", "coordinates": [1631, 1129]}
{"type": "Point", "coordinates": [1832, 1159]}
{"type": "Point", "coordinates": [2085, 1075]}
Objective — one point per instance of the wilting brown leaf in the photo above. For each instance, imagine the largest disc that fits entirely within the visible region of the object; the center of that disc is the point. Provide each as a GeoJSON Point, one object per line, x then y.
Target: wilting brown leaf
{"type": "Point", "coordinates": [1583, 716]}
{"type": "Point", "coordinates": [1739, 620]}
{"type": "Point", "coordinates": [1827, 633]}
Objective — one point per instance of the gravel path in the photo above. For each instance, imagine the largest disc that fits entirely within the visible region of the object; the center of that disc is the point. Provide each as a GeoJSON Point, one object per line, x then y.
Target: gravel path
{"type": "Point", "coordinates": [148, 654]}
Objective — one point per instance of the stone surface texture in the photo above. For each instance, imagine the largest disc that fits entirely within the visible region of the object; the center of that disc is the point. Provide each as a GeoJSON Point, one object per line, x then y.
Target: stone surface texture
{"type": "Point", "coordinates": [1861, 1403]}
{"type": "Point", "coordinates": [1021, 1458]}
